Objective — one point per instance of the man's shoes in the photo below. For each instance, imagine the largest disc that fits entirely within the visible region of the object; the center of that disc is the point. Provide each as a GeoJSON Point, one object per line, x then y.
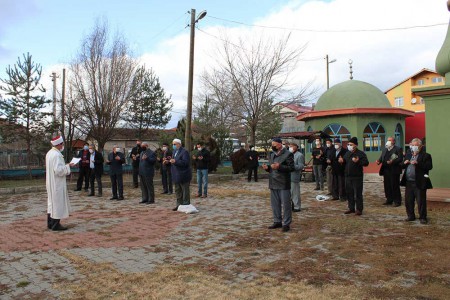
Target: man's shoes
{"type": "Point", "coordinates": [317, 188]}
{"type": "Point", "coordinates": [113, 198]}
{"type": "Point", "coordinates": [143, 202]}
{"type": "Point", "coordinates": [349, 212]}
{"type": "Point", "coordinates": [151, 202]}
{"type": "Point", "coordinates": [275, 225]}
{"type": "Point", "coordinates": [86, 190]}
{"type": "Point", "coordinates": [204, 196]}
{"type": "Point", "coordinates": [296, 210]}
{"type": "Point", "coordinates": [423, 221]}
{"type": "Point", "coordinates": [99, 195]}
{"type": "Point", "coordinates": [77, 190]}
{"type": "Point", "coordinates": [91, 194]}
{"type": "Point", "coordinates": [164, 193]}
{"type": "Point", "coordinates": [329, 194]}
{"type": "Point", "coordinates": [120, 198]}
{"type": "Point", "coordinates": [387, 203]}
{"type": "Point", "coordinates": [175, 208]}
{"type": "Point", "coordinates": [170, 193]}
{"type": "Point", "coordinates": [136, 186]}
{"type": "Point", "coordinates": [58, 227]}
{"type": "Point", "coordinates": [397, 205]}
{"type": "Point", "coordinates": [198, 195]}
{"type": "Point", "coordinates": [335, 198]}
{"type": "Point", "coordinates": [358, 213]}
{"type": "Point", "coordinates": [285, 228]}
{"type": "Point", "coordinates": [410, 219]}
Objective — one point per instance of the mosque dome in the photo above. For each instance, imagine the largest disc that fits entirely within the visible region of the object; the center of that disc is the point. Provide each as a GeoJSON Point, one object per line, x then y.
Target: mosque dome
{"type": "Point", "coordinates": [352, 94]}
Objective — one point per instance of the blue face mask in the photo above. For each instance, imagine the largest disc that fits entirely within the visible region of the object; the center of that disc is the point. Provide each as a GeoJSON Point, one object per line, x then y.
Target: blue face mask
{"type": "Point", "coordinates": [85, 147]}
{"type": "Point", "coordinates": [174, 147]}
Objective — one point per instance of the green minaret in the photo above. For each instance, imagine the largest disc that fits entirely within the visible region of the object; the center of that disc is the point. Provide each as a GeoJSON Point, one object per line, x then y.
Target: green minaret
{"type": "Point", "coordinates": [443, 57]}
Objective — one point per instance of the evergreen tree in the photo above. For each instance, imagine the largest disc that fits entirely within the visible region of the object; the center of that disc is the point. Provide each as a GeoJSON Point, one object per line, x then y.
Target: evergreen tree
{"type": "Point", "coordinates": [148, 106]}
{"type": "Point", "coordinates": [23, 105]}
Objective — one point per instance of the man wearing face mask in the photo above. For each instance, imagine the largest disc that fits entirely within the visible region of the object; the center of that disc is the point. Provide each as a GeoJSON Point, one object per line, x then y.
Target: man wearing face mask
{"type": "Point", "coordinates": [58, 205]}
{"type": "Point", "coordinates": [181, 173]}
{"type": "Point", "coordinates": [84, 168]}
{"type": "Point", "coordinates": [96, 166]}
{"type": "Point", "coordinates": [416, 179]}
{"type": "Point", "coordinates": [146, 173]}
{"type": "Point", "coordinates": [202, 158]}
{"type": "Point", "coordinates": [296, 175]}
{"type": "Point", "coordinates": [252, 157]}
{"type": "Point", "coordinates": [166, 174]}
{"type": "Point", "coordinates": [116, 159]}
{"type": "Point", "coordinates": [391, 169]}
{"type": "Point", "coordinates": [338, 171]}
{"type": "Point", "coordinates": [281, 164]}
{"type": "Point", "coordinates": [330, 152]}
{"type": "Point", "coordinates": [318, 156]}
{"type": "Point", "coordinates": [354, 160]}
{"type": "Point", "coordinates": [135, 158]}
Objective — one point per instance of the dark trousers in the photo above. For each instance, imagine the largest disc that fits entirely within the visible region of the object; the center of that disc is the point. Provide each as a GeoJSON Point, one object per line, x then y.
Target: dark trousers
{"type": "Point", "coordinates": [392, 187]}
{"type": "Point", "coordinates": [117, 183]}
{"type": "Point", "coordinates": [412, 195]}
{"type": "Point", "coordinates": [354, 189]}
{"type": "Point", "coordinates": [147, 188]}
{"type": "Point", "coordinates": [253, 170]}
{"type": "Point", "coordinates": [183, 193]}
{"type": "Point", "coordinates": [166, 178]}
{"type": "Point", "coordinates": [96, 176]}
{"type": "Point", "coordinates": [135, 176]}
{"type": "Point", "coordinates": [280, 200]}
{"type": "Point", "coordinates": [338, 190]}
{"type": "Point", "coordinates": [84, 174]}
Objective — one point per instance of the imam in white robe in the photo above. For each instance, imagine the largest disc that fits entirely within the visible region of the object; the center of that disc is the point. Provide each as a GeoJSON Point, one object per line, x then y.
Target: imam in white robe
{"type": "Point", "coordinates": [56, 172]}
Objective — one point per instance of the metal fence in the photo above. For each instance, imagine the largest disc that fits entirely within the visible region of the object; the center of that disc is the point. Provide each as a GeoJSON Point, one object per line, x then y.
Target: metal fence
{"type": "Point", "coordinates": [19, 160]}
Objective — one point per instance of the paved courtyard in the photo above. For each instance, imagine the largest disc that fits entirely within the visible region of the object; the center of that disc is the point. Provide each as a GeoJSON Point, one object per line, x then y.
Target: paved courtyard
{"type": "Point", "coordinates": [228, 238]}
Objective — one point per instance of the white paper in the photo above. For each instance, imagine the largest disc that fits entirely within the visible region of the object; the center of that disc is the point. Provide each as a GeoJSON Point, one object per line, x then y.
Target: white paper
{"type": "Point", "coordinates": [75, 160]}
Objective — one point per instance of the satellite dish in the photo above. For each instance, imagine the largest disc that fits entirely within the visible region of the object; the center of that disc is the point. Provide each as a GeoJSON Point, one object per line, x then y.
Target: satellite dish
{"type": "Point", "coordinates": [413, 100]}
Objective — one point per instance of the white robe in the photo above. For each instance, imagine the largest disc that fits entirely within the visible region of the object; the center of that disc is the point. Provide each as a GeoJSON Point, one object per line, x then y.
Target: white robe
{"type": "Point", "coordinates": [56, 172]}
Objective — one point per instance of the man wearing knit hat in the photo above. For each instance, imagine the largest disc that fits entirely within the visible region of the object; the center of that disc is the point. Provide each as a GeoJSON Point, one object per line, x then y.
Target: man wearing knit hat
{"type": "Point", "coordinates": [354, 160]}
{"type": "Point", "coordinates": [58, 205]}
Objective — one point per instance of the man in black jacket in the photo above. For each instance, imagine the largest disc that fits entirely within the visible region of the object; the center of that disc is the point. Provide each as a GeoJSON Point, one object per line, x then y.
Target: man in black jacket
{"type": "Point", "coordinates": [96, 165]}
{"type": "Point", "coordinates": [390, 159]}
{"type": "Point", "coordinates": [116, 159]}
{"type": "Point", "coordinates": [281, 164]}
{"type": "Point", "coordinates": [146, 173]}
{"type": "Point", "coordinates": [354, 160]}
{"type": "Point", "coordinates": [166, 174]}
{"type": "Point", "coordinates": [202, 158]}
{"type": "Point", "coordinates": [329, 154]}
{"type": "Point", "coordinates": [338, 171]}
{"type": "Point", "coordinates": [417, 163]}
{"type": "Point", "coordinates": [318, 156]}
{"type": "Point", "coordinates": [83, 165]}
{"type": "Point", "coordinates": [252, 157]}
{"type": "Point", "coordinates": [135, 158]}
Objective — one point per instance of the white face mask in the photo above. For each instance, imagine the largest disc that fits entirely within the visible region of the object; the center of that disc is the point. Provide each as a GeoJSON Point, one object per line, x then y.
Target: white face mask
{"type": "Point", "coordinates": [328, 145]}
{"type": "Point", "coordinates": [388, 144]}
{"type": "Point", "coordinates": [317, 143]}
{"type": "Point", "coordinates": [337, 147]}
{"type": "Point", "coordinates": [415, 149]}
{"type": "Point", "coordinates": [117, 149]}
{"type": "Point", "coordinates": [350, 148]}
{"type": "Point", "coordinates": [164, 148]}
{"type": "Point", "coordinates": [252, 148]}
{"type": "Point", "coordinates": [91, 151]}
{"type": "Point", "coordinates": [291, 149]}
{"type": "Point", "coordinates": [62, 149]}
{"type": "Point", "coordinates": [199, 148]}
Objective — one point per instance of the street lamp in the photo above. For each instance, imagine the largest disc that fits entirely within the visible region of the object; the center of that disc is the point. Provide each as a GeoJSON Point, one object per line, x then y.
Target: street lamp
{"type": "Point", "coordinates": [187, 135]}
{"type": "Point", "coordinates": [328, 75]}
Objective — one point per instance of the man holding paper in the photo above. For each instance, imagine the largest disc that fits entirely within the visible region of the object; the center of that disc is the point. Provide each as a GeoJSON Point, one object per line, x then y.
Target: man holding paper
{"type": "Point", "coordinates": [391, 159]}
{"type": "Point", "coordinates": [58, 205]}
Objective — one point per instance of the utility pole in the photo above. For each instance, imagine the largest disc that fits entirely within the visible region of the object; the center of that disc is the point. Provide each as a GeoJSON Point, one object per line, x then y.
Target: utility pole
{"type": "Point", "coordinates": [328, 74]}
{"type": "Point", "coordinates": [53, 76]}
{"type": "Point", "coordinates": [63, 99]}
{"type": "Point", "coordinates": [187, 135]}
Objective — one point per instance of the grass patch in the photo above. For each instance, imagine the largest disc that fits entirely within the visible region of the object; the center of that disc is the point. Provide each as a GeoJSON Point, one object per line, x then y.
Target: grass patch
{"type": "Point", "coordinates": [13, 183]}
{"type": "Point", "coordinates": [22, 284]}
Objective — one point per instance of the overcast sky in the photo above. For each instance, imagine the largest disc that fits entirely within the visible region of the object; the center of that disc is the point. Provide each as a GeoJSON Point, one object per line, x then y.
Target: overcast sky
{"type": "Point", "coordinates": [51, 31]}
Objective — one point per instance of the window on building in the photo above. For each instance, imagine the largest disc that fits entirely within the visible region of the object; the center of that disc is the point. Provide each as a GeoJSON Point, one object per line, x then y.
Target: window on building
{"type": "Point", "coordinates": [420, 82]}
{"type": "Point", "coordinates": [398, 134]}
{"type": "Point", "coordinates": [437, 79]}
{"type": "Point", "coordinates": [374, 137]}
{"type": "Point", "coordinates": [338, 131]}
{"type": "Point", "coordinates": [399, 101]}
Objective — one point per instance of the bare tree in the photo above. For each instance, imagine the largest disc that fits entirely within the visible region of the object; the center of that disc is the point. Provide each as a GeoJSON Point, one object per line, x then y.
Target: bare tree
{"type": "Point", "coordinates": [257, 72]}
{"type": "Point", "coordinates": [102, 76]}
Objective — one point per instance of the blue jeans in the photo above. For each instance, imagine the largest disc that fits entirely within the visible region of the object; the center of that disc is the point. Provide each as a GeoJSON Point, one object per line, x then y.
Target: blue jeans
{"type": "Point", "coordinates": [202, 180]}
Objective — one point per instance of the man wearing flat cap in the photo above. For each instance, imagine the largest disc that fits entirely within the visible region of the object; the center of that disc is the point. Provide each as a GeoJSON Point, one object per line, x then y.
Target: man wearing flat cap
{"type": "Point", "coordinates": [281, 164]}
{"type": "Point", "coordinates": [354, 160]}
{"type": "Point", "coordinates": [58, 205]}
{"type": "Point", "coordinates": [181, 173]}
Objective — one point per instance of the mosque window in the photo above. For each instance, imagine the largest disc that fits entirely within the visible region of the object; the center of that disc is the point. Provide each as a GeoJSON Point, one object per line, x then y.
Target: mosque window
{"type": "Point", "coordinates": [399, 101]}
{"type": "Point", "coordinates": [338, 131]}
{"type": "Point", "coordinates": [398, 134]}
{"type": "Point", "coordinates": [374, 137]}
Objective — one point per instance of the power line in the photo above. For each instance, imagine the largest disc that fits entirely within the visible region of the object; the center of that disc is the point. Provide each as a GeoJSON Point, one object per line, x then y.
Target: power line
{"type": "Point", "coordinates": [329, 30]}
{"type": "Point", "coordinates": [167, 27]}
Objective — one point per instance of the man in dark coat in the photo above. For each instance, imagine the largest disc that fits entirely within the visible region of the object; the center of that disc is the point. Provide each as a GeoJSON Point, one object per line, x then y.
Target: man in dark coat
{"type": "Point", "coordinates": [84, 168]}
{"type": "Point", "coordinates": [252, 158]}
{"type": "Point", "coordinates": [354, 160]}
{"type": "Point", "coordinates": [146, 173]}
{"type": "Point", "coordinates": [338, 171]}
{"type": "Point", "coordinates": [96, 165]}
{"type": "Point", "coordinates": [181, 173]}
{"type": "Point", "coordinates": [318, 157]}
{"type": "Point", "coordinates": [166, 174]}
{"type": "Point", "coordinates": [202, 158]}
{"type": "Point", "coordinates": [281, 164]}
{"type": "Point", "coordinates": [330, 152]}
{"type": "Point", "coordinates": [135, 156]}
{"type": "Point", "coordinates": [116, 159]}
{"type": "Point", "coordinates": [418, 164]}
{"type": "Point", "coordinates": [391, 159]}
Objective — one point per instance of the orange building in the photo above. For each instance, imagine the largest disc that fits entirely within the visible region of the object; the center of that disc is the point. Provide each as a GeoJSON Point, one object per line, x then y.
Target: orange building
{"type": "Point", "coordinates": [402, 96]}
